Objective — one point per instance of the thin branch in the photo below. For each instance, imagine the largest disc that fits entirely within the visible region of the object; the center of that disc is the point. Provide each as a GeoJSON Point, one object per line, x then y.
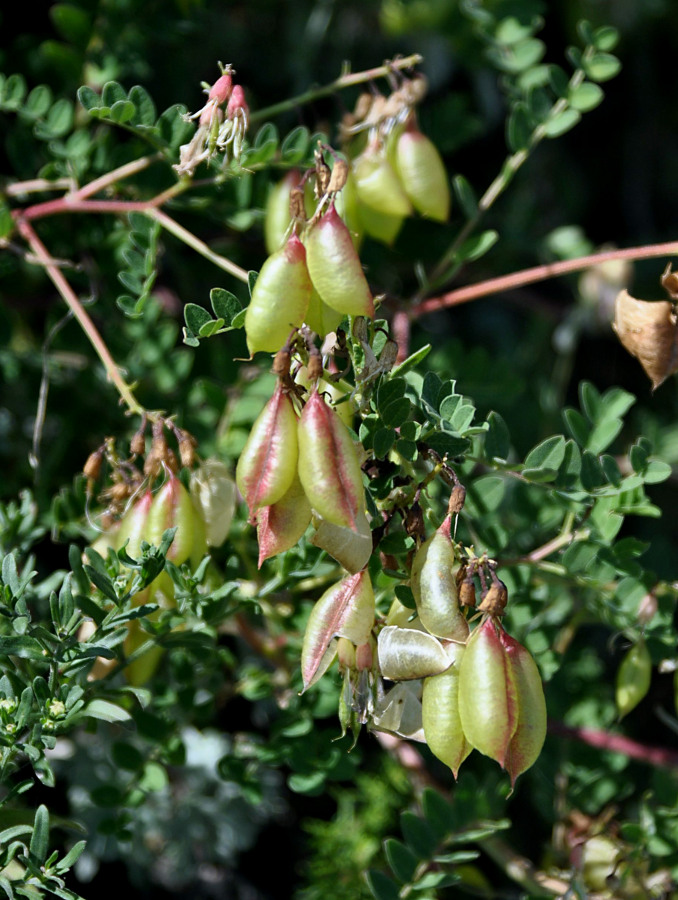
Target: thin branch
{"type": "Point", "coordinates": [76, 307]}
{"type": "Point", "coordinates": [537, 273]}
{"type": "Point", "coordinates": [195, 243]}
{"type": "Point", "coordinates": [344, 81]}
{"type": "Point", "coordinates": [618, 743]}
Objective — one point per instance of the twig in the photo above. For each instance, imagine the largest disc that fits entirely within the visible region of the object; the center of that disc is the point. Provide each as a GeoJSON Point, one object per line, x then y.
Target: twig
{"type": "Point", "coordinates": [344, 81]}
{"type": "Point", "coordinates": [76, 307]}
{"type": "Point", "coordinates": [618, 743]}
{"type": "Point", "coordinates": [537, 273]}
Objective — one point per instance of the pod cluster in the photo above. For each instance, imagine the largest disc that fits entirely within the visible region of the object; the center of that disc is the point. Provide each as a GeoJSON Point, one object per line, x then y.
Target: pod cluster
{"type": "Point", "coordinates": [480, 689]}
{"type": "Point", "coordinates": [393, 170]}
{"type": "Point", "coordinates": [300, 464]}
{"type": "Point", "coordinates": [143, 502]}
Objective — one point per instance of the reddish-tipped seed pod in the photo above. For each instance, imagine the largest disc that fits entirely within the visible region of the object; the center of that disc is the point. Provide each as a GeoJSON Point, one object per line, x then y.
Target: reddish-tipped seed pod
{"type": "Point", "coordinates": [423, 174]}
{"type": "Point", "coordinates": [335, 268]}
{"type": "Point", "coordinates": [133, 528]}
{"type": "Point", "coordinates": [268, 463]}
{"type": "Point", "coordinates": [434, 586]}
{"type": "Point", "coordinates": [279, 298]}
{"type": "Point", "coordinates": [487, 700]}
{"type": "Point", "coordinates": [344, 610]}
{"type": "Point", "coordinates": [173, 507]}
{"type": "Point", "coordinates": [329, 469]}
{"type": "Point", "coordinates": [280, 525]}
{"type": "Point", "coordinates": [530, 733]}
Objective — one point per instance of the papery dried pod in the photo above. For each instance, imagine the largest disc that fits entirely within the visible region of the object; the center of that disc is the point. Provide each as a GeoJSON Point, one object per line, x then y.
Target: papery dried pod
{"type": "Point", "coordinates": [329, 468]}
{"type": "Point", "coordinates": [406, 654]}
{"type": "Point", "coordinates": [399, 712]}
{"type": "Point", "coordinates": [488, 704]}
{"type": "Point", "coordinates": [440, 713]}
{"type": "Point", "coordinates": [649, 332]}
{"type": "Point", "coordinates": [434, 586]}
{"type": "Point", "coordinates": [422, 173]}
{"type": "Point", "coordinates": [335, 267]}
{"type": "Point", "coordinates": [344, 610]}
{"type": "Point", "coordinates": [280, 298]}
{"type": "Point", "coordinates": [213, 490]}
{"type": "Point", "coordinates": [526, 686]}
{"type": "Point", "coordinates": [268, 463]}
{"type": "Point", "coordinates": [282, 524]}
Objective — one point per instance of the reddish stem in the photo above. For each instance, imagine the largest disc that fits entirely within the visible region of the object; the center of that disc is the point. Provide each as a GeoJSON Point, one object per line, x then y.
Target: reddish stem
{"type": "Point", "coordinates": [618, 743]}
{"type": "Point", "coordinates": [538, 273]}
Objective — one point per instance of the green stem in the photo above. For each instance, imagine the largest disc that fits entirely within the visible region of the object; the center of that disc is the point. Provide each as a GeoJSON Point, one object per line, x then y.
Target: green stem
{"type": "Point", "coordinates": [344, 81]}
{"type": "Point", "coordinates": [195, 243]}
{"type": "Point", "coordinates": [79, 312]}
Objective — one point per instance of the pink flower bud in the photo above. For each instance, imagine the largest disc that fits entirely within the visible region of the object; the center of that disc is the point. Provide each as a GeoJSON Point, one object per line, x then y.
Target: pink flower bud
{"type": "Point", "coordinates": [237, 102]}
{"type": "Point", "coordinates": [221, 89]}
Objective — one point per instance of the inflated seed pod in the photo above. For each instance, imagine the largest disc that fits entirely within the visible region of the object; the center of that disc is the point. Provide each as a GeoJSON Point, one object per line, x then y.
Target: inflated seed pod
{"type": "Point", "coordinates": [329, 468]}
{"type": "Point", "coordinates": [350, 547]}
{"type": "Point", "coordinates": [530, 732]}
{"type": "Point", "coordinates": [213, 490]}
{"type": "Point", "coordinates": [140, 670]}
{"type": "Point", "coordinates": [633, 678]}
{"type": "Point", "coordinates": [281, 525]}
{"type": "Point", "coordinates": [440, 713]}
{"type": "Point", "coordinates": [279, 298]}
{"type": "Point", "coordinates": [434, 586]}
{"type": "Point", "coordinates": [348, 207]}
{"type": "Point", "coordinates": [343, 406]}
{"type": "Point", "coordinates": [487, 698]}
{"type": "Point", "coordinates": [320, 317]}
{"type": "Point", "coordinates": [335, 268]}
{"type": "Point", "coordinates": [277, 213]}
{"type": "Point", "coordinates": [133, 526]}
{"type": "Point", "coordinates": [379, 225]}
{"type": "Point", "coordinates": [268, 463]}
{"type": "Point", "coordinates": [344, 610]}
{"type": "Point", "coordinates": [422, 173]}
{"type": "Point", "coordinates": [399, 712]}
{"type": "Point", "coordinates": [377, 184]}
{"type": "Point", "coordinates": [173, 507]}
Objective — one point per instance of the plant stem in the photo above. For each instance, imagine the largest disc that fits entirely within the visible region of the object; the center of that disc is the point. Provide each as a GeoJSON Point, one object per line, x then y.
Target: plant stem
{"type": "Point", "coordinates": [69, 296]}
{"type": "Point", "coordinates": [195, 243]}
{"type": "Point", "coordinates": [537, 273]}
{"type": "Point", "coordinates": [338, 84]}
{"type": "Point", "coordinates": [618, 743]}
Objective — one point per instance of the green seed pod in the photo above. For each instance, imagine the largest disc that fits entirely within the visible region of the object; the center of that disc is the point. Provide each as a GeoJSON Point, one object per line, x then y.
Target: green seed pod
{"type": "Point", "coordinates": [423, 174]}
{"type": "Point", "coordinates": [335, 268]}
{"type": "Point", "coordinates": [329, 469]}
{"type": "Point", "coordinates": [320, 317]}
{"type": "Point", "coordinates": [173, 507]}
{"type": "Point", "coordinates": [440, 713]}
{"type": "Point", "coordinates": [277, 214]}
{"type": "Point", "coordinates": [213, 490]}
{"type": "Point", "coordinates": [133, 527]}
{"type": "Point", "coordinates": [530, 732]}
{"type": "Point", "coordinates": [140, 670]}
{"type": "Point", "coordinates": [348, 207]}
{"type": "Point", "coordinates": [282, 524]}
{"type": "Point", "coordinates": [350, 547]}
{"type": "Point", "coordinates": [633, 678]}
{"type": "Point", "coordinates": [487, 701]}
{"type": "Point", "coordinates": [377, 184]}
{"type": "Point", "coordinates": [379, 225]}
{"type": "Point", "coordinates": [268, 463]}
{"type": "Point", "coordinates": [279, 298]}
{"type": "Point", "coordinates": [344, 610]}
{"type": "Point", "coordinates": [434, 586]}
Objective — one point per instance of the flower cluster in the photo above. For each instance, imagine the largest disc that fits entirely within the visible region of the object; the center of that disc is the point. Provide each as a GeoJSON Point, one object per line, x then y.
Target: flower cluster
{"type": "Point", "coordinates": [218, 129]}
